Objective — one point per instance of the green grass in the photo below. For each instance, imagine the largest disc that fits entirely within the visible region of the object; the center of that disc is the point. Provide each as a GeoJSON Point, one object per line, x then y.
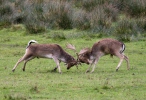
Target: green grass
{"type": "Point", "coordinates": [39, 83]}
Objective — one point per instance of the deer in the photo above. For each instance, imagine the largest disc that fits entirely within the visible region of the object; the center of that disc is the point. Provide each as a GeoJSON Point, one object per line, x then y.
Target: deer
{"type": "Point", "coordinates": [51, 51]}
{"type": "Point", "coordinates": [103, 47]}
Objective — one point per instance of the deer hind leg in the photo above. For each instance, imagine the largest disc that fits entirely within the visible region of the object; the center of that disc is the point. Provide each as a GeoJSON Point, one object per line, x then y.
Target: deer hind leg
{"type": "Point", "coordinates": [25, 61]}
{"type": "Point", "coordinates": [127, 60]}
{"type": "Point", "coordinates": [121, 56]}
{"type": "Point", "coordinates": [20, 60]}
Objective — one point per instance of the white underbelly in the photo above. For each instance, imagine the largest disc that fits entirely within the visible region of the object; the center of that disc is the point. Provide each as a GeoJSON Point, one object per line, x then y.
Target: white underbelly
{"type": "Point", "coordinates": [48, 56]}
{"type": "Point", "coordinates": [62, 59]}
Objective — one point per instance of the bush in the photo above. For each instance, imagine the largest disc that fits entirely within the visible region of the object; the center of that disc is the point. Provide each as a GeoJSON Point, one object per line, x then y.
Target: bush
{"type": "Point", "coordinates": [5, 15]}
{"type": "Point", "coordinates": [141, 23]}
{"type": "Point", "coordinates": [33, 22]}
{"type": "Point", "coordinates": [58, 36]}
{"type": "Point", "coordinates": [123, 30]}
{"type": "Point", "coordinates": [128, 30]}
{"type": "Point", "coordinates": [97, 16]}
{"type": "Point", "coordinates": [33, 25]}
{"type": "Point", "coordinates": [4, 22]}
{"type": "Point", "coordinates": [136, 8]}
{"type": "Point", "coordinates": [19, 18]}
{"type": "Point", "coordinates": [118, 4]}
{"type": "Point", "coordinates": [81, 20]}
{"type": "Point", "coordinates": [99, 19]}
{"type": "Point", "coordinates": [89, 5]}
{"type": "Point", "coordinates": [19, 15]}
{"type": "Point", "coordinates": [58, 14]}
{"type": "Point", "coordinates": [5, 9]}
{"type": "Point", "coordinates": [111, 12]}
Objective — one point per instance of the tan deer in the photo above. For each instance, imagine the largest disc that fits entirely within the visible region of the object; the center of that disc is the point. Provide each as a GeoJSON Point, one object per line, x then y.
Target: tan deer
{"type": "Point", "coordinates": [99, 49]}
{"type": "Point", "coordinates": [52, 51]}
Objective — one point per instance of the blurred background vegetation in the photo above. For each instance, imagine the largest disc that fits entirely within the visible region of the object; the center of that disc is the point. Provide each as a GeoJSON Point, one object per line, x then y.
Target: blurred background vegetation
{"type": "Point", "coordinates": [124, 19]}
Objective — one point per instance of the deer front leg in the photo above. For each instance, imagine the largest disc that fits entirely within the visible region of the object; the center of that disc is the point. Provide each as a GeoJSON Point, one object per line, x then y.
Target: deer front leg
{"type": "Point", "coordinates": [54, 70]}
{"type": "Point", "coordinates": [58, 65]}
{"type": "Point", "coordinates": [88, 70]}
{"type": "Point", "coordinates": [95, 62]}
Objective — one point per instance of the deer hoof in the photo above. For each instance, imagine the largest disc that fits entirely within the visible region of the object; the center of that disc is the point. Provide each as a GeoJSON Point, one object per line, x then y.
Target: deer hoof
{"type": "Point", "coordinates": [87, 71]}
{"type": "Point", "coordinates": [54, 70]}
{"type": "Point", "coordinates": [116, 70]}
{"type": "Point", "coordinates": [13, 70]}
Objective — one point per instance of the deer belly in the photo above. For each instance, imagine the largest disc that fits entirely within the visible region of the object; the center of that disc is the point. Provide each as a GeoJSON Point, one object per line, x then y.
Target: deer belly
{"type": "Point", "coordinates": [62, 59]}
{"type": "Point", "coordinates": [48, 56]}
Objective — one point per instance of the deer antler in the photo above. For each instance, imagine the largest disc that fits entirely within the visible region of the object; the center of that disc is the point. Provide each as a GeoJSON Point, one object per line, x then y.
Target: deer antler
{"type": "Point", "coordinates": [70, 46]}
{"type": "Point", "coordinates": [84, 50]}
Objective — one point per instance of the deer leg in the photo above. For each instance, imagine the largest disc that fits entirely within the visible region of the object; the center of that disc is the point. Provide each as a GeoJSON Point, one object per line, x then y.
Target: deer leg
{"type": "Point", "coordinates": [58, 64]}
{"type": "Point", "coordinates": [90, 66]}
{"type": "Point", "coordinates": [121, 60]}
{"type": "Point", "coordinates": [98, 55]}
{"type": "Point", "coordinates": [95, 62]}
{"type": "Point", "coordinates": [26, 62]}
{"type": "Point", "coordinates": [20, 60]}
{"type": "Point", "coordinates": [56, 67]}
{"type": "Point", "coordinates": [127, 60]}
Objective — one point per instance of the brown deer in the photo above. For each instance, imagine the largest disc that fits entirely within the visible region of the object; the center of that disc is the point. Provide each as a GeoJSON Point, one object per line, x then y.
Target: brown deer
{"type": "Point", "coordinates": [99, 49]}
{"type": "Point", "coordinates": [52, 51]}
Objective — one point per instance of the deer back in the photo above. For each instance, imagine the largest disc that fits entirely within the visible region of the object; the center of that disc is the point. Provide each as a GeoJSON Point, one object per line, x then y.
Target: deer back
{"type": "Point", "coordinates": [107, 46]}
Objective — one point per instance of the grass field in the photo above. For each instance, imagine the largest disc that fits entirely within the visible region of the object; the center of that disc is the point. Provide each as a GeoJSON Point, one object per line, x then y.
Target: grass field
{"type": "Point", "coordinates": [39, 83]}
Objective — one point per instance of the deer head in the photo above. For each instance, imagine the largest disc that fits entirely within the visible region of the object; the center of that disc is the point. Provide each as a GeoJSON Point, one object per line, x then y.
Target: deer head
{"type": "Point", "coordinates": [83, 56]}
